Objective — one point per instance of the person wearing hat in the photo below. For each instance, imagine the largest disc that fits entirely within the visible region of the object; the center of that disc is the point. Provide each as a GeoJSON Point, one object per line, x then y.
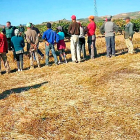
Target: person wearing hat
{"type": "Point", "coordinates": [109, 28]}
{"type": "Point", "coordinates": [74, 30]}
{"type": "Point", "coordinates": [61, 46]}
{"type": "Point", "coordinates": [128, 35]}
{"type": "Point", "coordinates": [3, 51]}
{"type": "Point", "coordinates": [82, 41]}
{"type": "Point", "coordinates": [91, 28]}
{"type": "Point", "coordinates": [50, 37]}
{"type": "Point", "coordinates": [32, 40]}
{"type": "Point", "coordinates": [18, 45]}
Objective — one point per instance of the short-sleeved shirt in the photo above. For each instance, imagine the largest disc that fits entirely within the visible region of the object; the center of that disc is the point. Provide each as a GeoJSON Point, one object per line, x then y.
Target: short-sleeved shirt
{"type": "Point", "coordinates": [91, 28]}
{"type": "Point", "coordinates": [61, 35]}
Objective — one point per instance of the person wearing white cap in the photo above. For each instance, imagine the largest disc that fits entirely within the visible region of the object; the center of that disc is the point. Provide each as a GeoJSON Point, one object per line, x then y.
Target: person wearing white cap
{"type": "Point", "coordinates": [109, 28]}
{"type": "Point", "coordinates": [18, 45]}
{"type": "Point", "coordinates": [32, 40]}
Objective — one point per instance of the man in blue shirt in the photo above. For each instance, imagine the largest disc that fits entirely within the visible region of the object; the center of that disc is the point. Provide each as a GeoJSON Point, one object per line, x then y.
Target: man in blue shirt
{"type": "Point", "coordinates": [51, 38]}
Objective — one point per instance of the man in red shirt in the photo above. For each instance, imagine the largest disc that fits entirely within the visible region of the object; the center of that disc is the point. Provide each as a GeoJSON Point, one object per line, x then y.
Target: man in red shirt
{"type": "Point", "coordinates": [91, 28]}
{"type": "Point", "coordinates": [3, 51]}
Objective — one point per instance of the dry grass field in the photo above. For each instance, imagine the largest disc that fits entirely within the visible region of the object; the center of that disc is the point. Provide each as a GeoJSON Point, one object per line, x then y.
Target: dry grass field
{"type": "Point", "coordinates": [93, 100]}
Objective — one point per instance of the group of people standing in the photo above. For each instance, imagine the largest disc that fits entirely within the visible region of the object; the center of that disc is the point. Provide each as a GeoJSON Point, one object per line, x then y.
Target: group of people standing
{"type": "Point", "coordinates": [12, 38]}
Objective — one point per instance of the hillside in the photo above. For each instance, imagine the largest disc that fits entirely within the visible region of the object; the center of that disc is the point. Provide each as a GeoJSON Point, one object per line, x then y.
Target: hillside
{"type": "Point", "coordinates": [132, 15]}
{"type": "Point", "coordinates": [94, 100]}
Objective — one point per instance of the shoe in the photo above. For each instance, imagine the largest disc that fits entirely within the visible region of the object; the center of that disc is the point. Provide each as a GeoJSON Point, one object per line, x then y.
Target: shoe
{"type": "Point", "coordinates": [66, 61]}
{"type": "Point", "coordinates": [42, 57]}
{"type": "Point", "coordinates": [76, 61]}
{"type": "Point", "coordinates": [113, 56]}
{"type": "Point", "coordinates": [59, 62]}
{"type": "Point", "coordinates": [31, 68]}
{"type": "Point", "coordinates": [39, 66]}
{"type": "Point", "coordinates": [21, 70]}
{"type": "Point", "coordinates": [18, 69]}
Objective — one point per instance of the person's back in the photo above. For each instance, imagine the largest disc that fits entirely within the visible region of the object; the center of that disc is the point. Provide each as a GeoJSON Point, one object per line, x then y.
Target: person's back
{"type": "Point", "coordinates": [109, 28]}
{"type": "Point", "coordinates": [61, 35]}
{"type": "Point", "coordinates": [74, 28]}
{"type": "Point", "coordinates": [18, 43]}
{"type": "Point", "coordinates": [3, 43]}
{"type": "Point", "coordinates": [91, 28]}
{"type": "Point", "coordinates": [31, 36]}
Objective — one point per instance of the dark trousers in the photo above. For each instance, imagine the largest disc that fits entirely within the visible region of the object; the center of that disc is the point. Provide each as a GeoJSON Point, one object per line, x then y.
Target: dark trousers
{"type": "Point", "coordinates": [82, 47]}
{"type": "Point", "coordinates": [110, 44]}
{"type": "Point", "coordinates": [47, 50]}
{"type": "Point", "coordinates": [19, 58]}
{"type": "Point", "coordinates": [92, 47]}
{"type": "Point", "coordinates": [9, 44]}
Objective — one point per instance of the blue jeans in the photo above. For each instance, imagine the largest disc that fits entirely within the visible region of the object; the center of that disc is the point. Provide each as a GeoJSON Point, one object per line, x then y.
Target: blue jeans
{"type": "Point", "coordinates": [110, 44]}
{"type": "Point", "coordinates": [47, 50]}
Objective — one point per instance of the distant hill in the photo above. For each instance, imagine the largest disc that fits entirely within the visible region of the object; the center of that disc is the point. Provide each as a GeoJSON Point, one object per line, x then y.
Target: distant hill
{"type": "Point", "coordinates": [132, 15]}
{"type": "Point", "coordinates": [1, 26]}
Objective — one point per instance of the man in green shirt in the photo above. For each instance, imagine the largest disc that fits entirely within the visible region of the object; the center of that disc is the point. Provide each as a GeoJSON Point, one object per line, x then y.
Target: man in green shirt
{"type": "Point", "coordinates": [128, 35]}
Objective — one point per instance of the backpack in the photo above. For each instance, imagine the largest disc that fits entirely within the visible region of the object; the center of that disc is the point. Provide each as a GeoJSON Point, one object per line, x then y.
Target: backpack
{"type": "Point", "coordinates": [135, 28]}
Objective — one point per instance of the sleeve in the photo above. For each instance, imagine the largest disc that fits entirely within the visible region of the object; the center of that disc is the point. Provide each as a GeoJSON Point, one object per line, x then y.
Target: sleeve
{"type": "Point", "coordinates": [37, 39]}
{"type": "Point", "coordinates": [12, 42]}
{"type": "Point", "coordinates": [69, 29]}
{"type": "Point", "coordinates": [131, 32]}
{"type": "Point", "coordinates": [57, 37]}
{"type": "Point", "coordinates": [115, 28]}
{"type": "Point", "coordinates": [102, 29]}
{"type": "Point", "coordinates": [23, 43]}
{"type": "Point", "coordinates": [44, 36]}
{"type": "Point", "coordinates": [6, 44]}
{"type": "Point", "coordinates": [28, 39]}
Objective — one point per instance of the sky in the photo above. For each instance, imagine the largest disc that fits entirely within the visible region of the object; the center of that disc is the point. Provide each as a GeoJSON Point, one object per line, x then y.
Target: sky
{"type": "Point", "coordinates": [38, 11]}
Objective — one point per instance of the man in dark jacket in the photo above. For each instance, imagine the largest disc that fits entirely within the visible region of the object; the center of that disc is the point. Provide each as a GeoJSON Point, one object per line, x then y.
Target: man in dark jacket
{"type": "Point", "coordinates": [128, 35]}
{"type": "Point", "coordinates": [9, 32]}
{"type": "Point", "coordinates": [3, 51]}
{"type": "Point", "coordinates": [74, 30]}
{"type": "Point", "coordinates": [109, 28]}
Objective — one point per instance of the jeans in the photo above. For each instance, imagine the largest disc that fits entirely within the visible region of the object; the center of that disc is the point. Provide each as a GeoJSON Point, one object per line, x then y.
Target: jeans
{"type": "Point", "coordinates": [39, 52]}
{"type": "Point", "coordinates": [47, 50]}
{"type": "Point", "coordinates": [6, 64]}
{"type": "Point", "coordinates": [75, 48]}
{"type": "Point", "coordinates": [91, 47]}
{"type": "Point", "coordinates": [19, 58]}
{"type": "Point", "coordinates": [110, 44]}
{"type": "Point", "coordinates": [32, 53]}
{"type": "Point", "coordinates": [129, 45]}
{"type": "Point", "coordinates": [82, 47]}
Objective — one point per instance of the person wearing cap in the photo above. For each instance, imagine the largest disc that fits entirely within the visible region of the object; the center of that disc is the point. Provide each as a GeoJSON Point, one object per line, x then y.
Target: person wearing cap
{"type": "Point", "coordinates": [91, 28]}
{"type": "Point", "coordinates": [61, 46]}
{"type": "Point", "coordinates": [50, 37]}
{"type": "Point", "coordinates": [39, 35]}
{"type": "Point", "coordinates": [74, 30]}
{"type": "Point", "coordinates": [128, 35]}
{"type": "Point", "coordinates": [3, 51]}
{"type": "Point", "coordinates": [109, 28]}
{"type": "Point", "coordinates": [82, 41]}
{"type": "Point", "coordinates": [32, 40]}
{"type": "Point", "coordinates": [18, 45]}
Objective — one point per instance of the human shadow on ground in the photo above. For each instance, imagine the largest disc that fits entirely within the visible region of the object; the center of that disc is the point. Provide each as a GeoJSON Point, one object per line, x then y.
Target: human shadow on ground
{"type": "Point", "coordinates": [6, 93]}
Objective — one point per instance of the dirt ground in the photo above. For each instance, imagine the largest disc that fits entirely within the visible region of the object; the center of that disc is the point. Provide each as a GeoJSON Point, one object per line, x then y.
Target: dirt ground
{"type": "Point", "coordinates": [93, 100]}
